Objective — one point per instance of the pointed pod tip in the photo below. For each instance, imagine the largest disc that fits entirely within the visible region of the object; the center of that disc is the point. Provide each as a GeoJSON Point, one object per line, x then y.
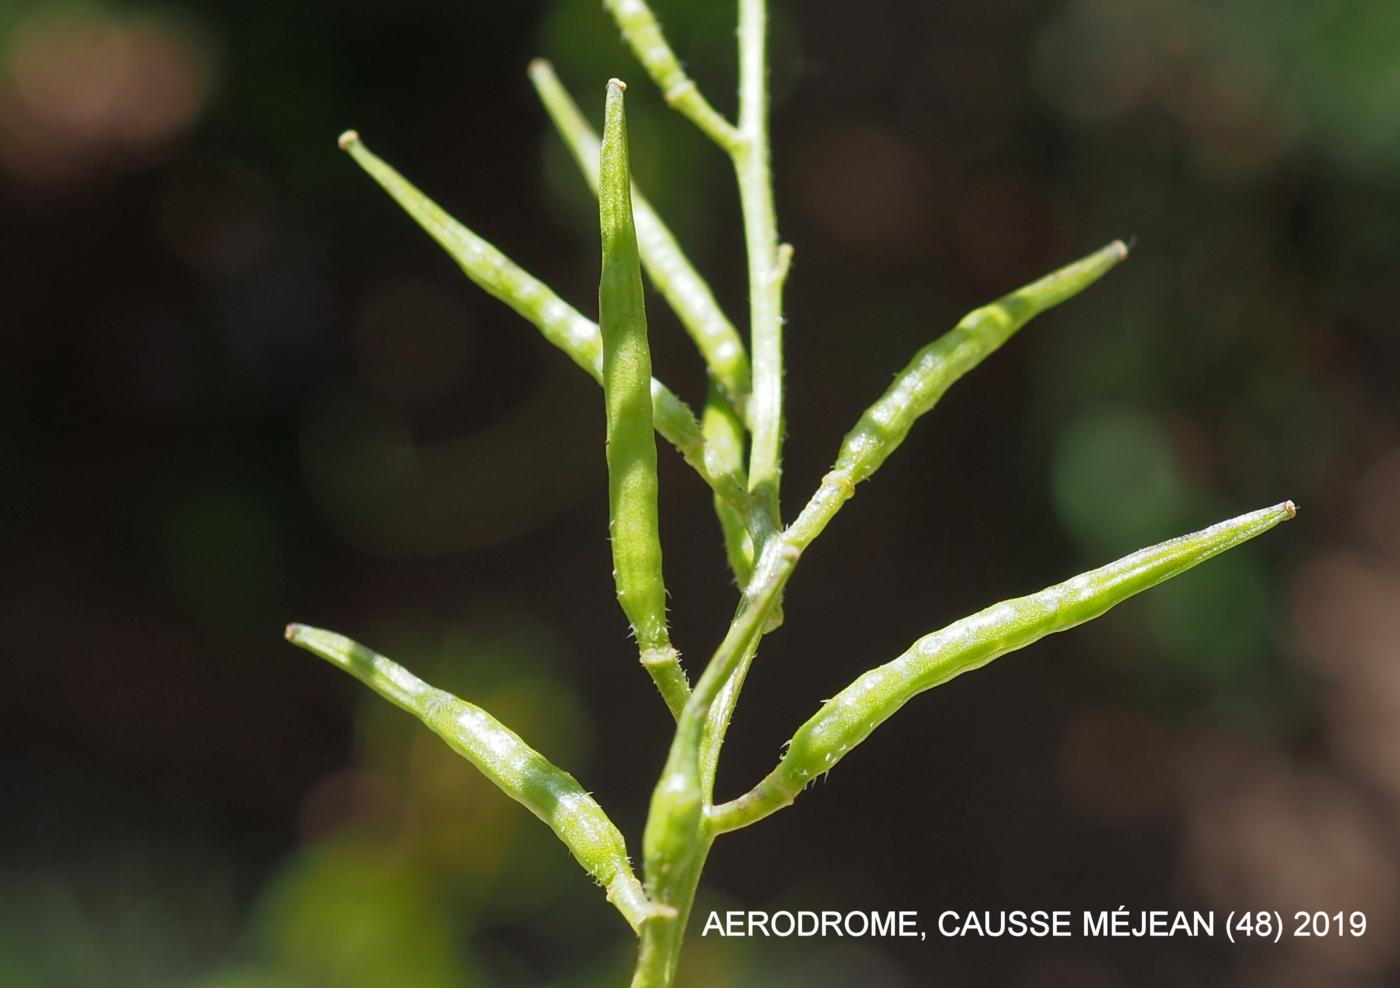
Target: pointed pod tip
{"type": "Point", "coordinates": [348, 139]}
{"type": "Point", "coordinates": [1121, 248]}
{"type": "Point", "coordinates": [539, 66]}
{"type": "Point", "coordinates": [293, 632]}
{"type": "Point", "coordinates": [1290, 509]}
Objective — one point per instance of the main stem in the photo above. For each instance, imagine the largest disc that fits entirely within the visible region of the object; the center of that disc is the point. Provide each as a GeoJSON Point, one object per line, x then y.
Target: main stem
{"type": "Point", "coordinates": [673, 878]}
{"type": "Point", "coordinates": [751, 163]}
{"type": "Point", "coordinates": [768, 263]}
{"type": "Point", "coordinates": [663, 935]}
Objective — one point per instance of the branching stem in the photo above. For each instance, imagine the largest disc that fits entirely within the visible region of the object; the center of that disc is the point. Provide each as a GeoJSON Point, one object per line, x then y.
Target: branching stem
{"type": "Point", "coordinates": [643, 33]}
{"type": "Point", "coordinates": [746, 393]}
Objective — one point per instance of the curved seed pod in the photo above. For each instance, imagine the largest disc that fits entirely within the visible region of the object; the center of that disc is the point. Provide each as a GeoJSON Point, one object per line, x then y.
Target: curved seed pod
{"type": "Point", "coordinates": [934, 369]}
{"type": "Point", "coordinates": [518, 770]}
{"type": "Point", "coordinates": [670, 270]}
{"type": "Point", "coordinates": [557, 321]}
{"type": "Point", "coordinates": [631, 448]}
{"type": "Point", "coordinates": [848, 718]}
{"type": "Point", "coordinates": [644, 37]}
{"type": "Point", "coordinates": [490, 269]}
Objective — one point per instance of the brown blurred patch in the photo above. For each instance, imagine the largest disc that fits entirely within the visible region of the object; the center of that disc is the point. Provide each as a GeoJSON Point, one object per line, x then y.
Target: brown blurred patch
{"type": "Point", "coordinates": [371, 803]}
{"type": "Point", "coordinates": [1291, 971]}
{"type": "Point", "coordinates": [865, 185]}
{"type": "Point", "coordinates": [414, 341]}
{"type": "Point", "coordinates": [1102, 60]}
{"type": "Point", "coordinates": [216, 217]}
{"type": "Point", "coordinates": [1010, 221]}
{"type": "Point", "coordinates": [80, 87]}
{"type": "Point", "coordinates": [1064, 969]}
{"type": "Point", "coordinates": [1346, 607]}
{"type": "Point", "coordinates": [1263, 834]}
{"type": "Point", "coordinates": [1114, 766]}
{"type": "Point", "coordinates": [1378, 504]}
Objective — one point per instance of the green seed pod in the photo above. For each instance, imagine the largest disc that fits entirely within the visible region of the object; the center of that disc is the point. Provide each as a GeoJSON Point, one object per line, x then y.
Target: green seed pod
{"type": "Point", "coordinates": [934, 369]}
{"type": "Point", "coordinates": [557, 321]}
{"type": "Point", "coordinates": [848, 718]}
{"type": "Point", "coordinates": [666, 264]}
{"type": "Point", "coordinates": [631, 448]}
{"type": "Point", "coordinates": [490, 269]}
{"type": "Point", "coordinates": [518, 770]}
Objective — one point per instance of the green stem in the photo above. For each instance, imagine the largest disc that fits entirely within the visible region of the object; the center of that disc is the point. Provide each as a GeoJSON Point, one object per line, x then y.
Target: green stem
{"type": "Point", "coordinates": [721, 713]}
{"type": "Point", "coordinates": [663, 935]}
{"type": "Point", "coordinates": [677, 837]}
{"type": "Point", "coordinates": [644, 36]}
{"type": "Point", "coordinates": [768, 267]}
{"type": "Point", "coordinates": [766, 271]}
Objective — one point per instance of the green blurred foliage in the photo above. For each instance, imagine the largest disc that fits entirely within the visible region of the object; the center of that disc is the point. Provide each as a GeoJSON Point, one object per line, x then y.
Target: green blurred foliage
{"type": "Point", "coordinates": [356, 916]}
{"type": "Point", "coordinates": [124, 915]}
{"type": "Point", "coordinates": [1116, 480]}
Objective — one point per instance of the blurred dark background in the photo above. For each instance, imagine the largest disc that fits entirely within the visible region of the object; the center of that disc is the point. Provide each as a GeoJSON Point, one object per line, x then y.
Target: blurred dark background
{"type": "Point", "coordinates": [241, 389]}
